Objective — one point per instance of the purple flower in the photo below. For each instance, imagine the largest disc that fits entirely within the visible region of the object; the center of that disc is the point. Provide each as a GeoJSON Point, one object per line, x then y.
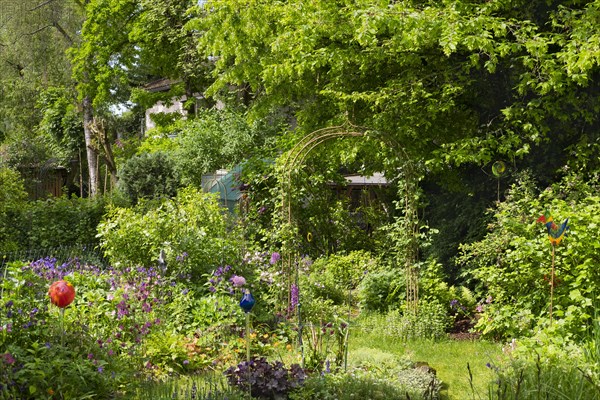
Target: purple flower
{"type": "Point", "coordinates": [294, 296]}
{"type": "Point", "coordinates": [275, 257]}
{"type": "Point", "coordinates": [100, 370]}
{"type": "Point", "coordinates": [237, 281]}
{"type": "Point", "coordinates": [186, 362]}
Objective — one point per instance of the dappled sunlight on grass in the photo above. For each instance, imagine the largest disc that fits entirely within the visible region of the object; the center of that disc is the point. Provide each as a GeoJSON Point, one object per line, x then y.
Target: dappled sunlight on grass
{"type": "Point", "coordinates": [448, 358]}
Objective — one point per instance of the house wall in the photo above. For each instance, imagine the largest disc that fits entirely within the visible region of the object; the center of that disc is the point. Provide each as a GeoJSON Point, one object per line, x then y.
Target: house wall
{"type": "Point", "coordinates": [160, 107]}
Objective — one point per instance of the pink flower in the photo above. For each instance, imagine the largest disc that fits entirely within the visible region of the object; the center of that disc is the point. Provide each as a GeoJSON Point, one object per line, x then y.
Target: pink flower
{"type": "Point", "coordinates": [237, 281]}
{"type": "Point", "coordinates": [8, 358]}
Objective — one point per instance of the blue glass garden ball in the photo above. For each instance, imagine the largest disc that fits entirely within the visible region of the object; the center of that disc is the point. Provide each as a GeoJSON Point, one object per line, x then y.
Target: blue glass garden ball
{"type": "Point", "coordinates": [247, 301]}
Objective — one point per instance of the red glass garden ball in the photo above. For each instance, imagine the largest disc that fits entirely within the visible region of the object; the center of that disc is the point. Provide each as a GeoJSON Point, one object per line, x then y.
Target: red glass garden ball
{"type": "Point", "coordinates": [61, 293]}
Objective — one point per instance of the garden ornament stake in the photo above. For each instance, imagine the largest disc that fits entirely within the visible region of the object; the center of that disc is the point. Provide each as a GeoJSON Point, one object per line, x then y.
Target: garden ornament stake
{"type": "Point", "coordinates": [61, 293]}
{"type": "Point", "coordinates": [498, 169]}
{"type": "Point", "coordinates": [162, 261]}
{"type": "Point", "coordinates": [246, 304]}
{"type": "Point", "coordinates": [555, 235]}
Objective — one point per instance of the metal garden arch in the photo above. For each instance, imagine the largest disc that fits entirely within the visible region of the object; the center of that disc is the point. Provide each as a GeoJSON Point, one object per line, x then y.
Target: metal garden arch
{"type": "Point", "coordinates": [296, 158]}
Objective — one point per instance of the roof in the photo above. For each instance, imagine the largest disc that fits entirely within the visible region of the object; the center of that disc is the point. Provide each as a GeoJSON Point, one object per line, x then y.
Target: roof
{"type": "Point", "coordinates": [161, 85]}
{"type": "Point", "coordinates": [377, 179]}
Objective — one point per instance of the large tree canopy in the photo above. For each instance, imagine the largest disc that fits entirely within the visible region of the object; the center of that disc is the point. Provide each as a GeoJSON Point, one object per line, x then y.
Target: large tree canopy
{"type": "Point", "coordinates": [455, 82]}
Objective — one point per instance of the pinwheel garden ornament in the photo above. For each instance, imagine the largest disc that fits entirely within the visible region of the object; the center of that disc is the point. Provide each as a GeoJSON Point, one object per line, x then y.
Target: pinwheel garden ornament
{"type": "Point", "coordinates": [555, 234]}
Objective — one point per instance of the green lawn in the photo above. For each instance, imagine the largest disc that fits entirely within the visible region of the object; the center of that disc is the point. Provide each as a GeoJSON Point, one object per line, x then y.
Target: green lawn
{"type": "Point", "coordinates": [449, 358]}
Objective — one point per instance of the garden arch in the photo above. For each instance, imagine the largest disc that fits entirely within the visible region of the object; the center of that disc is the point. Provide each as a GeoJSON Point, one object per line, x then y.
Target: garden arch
{"type": "Point", "coordinates": [296, 157]}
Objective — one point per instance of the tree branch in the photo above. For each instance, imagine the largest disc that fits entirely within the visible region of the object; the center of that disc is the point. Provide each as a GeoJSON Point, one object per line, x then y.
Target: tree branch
{"type": "Point", "coordinates": [41, 5]}
{"type": "Point", "coordinates": [63, 32]}
{"type": "Point", "coordinates": [39, 30]}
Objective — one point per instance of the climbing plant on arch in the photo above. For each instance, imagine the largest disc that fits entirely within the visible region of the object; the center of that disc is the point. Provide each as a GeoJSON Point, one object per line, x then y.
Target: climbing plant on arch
{"type": "Point", "coordinates": [295, 159]}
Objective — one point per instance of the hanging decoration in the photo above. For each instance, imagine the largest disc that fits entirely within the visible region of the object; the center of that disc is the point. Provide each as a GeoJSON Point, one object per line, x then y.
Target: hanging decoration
{"type": "Point", "coordinates": [555, 235]}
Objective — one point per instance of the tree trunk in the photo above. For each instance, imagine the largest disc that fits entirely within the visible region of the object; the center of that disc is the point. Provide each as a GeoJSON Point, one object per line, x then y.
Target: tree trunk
{"type": "Point", "coordinates": [92, 153]}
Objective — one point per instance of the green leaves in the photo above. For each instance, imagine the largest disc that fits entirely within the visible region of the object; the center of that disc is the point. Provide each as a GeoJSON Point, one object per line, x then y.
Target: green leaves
{"type": "Point", "coordinates": [513, 261]}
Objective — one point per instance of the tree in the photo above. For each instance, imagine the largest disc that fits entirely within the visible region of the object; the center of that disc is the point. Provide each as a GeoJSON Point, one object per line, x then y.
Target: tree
{"type": "Point", "coordinates": [125, 44]}
{"type": "Point", "coordinates": [33, 38]}
{"type": "Point", "coordinates": [457, 84]}
{"type": "Point", "coordinates": [453, 82]}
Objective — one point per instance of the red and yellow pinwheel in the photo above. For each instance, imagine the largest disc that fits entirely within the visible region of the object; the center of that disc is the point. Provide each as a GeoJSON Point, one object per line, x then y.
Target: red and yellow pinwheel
{"type": "Point", "coordinates": [555, 233]}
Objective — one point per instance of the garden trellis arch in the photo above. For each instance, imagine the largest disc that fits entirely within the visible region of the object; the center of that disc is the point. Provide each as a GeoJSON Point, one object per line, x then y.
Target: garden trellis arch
{"type": "Point", "coordinates": [295, 158]}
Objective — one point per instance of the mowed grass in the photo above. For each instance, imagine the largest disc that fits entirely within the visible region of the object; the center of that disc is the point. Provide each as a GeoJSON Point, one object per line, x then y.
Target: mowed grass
{"type": "Point", "coordinates": [448, 357]}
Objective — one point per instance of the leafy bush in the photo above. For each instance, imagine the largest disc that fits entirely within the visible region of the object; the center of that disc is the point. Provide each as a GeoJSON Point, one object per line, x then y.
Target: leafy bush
{"type": "Point", "coordinates": [61, 221]}
{"type": "Point", "coordinates": [12, 197]}
{"type": "Point", "coordinates": [265, 380]}
{"type": "Point", "coordinates": [148, 176]}
{"type": "Point", "coordinates": [320, 283]}
{"type": "Point", "coordinates": [51, 223]}
{"type": "Point", "coordinates": [430, 322]}
{"type": "Point", "coordinates": [347, 271]}
{"type": "Point", "coordinates": [512, 263]}
{"type": "Point", "coordinates": [382, 290]}
{"type": "Point", "coordinates": [191, 229]}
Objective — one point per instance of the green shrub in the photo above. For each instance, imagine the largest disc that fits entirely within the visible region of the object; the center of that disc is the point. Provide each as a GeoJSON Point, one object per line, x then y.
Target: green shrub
{"type": "Point", "coordinates": [512, 263]}
{"type": "Point", "coordinates": [52, 223]}
{"type": "Point", "coordinates": [382, 290]}
{"type": "Point", "coordinates": [12, 198]}
{"type": "Point", "coordinates": [430, 322]}
{"type": "Point", "coordinates": [61, 221]}
{"type": "Point", "coordinates": [148, 176]}
{"type": "Point", "coordinates": [191, 229]}
{"type": "Point", "coordinates": [346, 270]}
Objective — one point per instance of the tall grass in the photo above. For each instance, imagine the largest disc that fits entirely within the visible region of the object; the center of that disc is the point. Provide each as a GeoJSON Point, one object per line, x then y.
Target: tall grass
{"type": "Point", "coordinates": [532, 380]}
{"type": "Point", "coordinates": [201, 387]}
{"type": "Point", "coordinates": [560, 379]}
